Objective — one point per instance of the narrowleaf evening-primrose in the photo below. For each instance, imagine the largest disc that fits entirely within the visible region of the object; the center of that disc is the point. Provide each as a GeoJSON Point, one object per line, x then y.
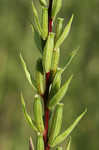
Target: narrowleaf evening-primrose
{"type": "Point", "coordinates": [47, 85]}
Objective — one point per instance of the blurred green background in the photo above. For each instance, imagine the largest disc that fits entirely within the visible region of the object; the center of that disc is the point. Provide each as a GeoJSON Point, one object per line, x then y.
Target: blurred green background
{"type": "Point", "coordinates": [16, 36]}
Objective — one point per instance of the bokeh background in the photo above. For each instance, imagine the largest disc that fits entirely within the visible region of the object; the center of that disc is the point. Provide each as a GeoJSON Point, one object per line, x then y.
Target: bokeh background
{"type": "Point", "coordinates": [16, 36]}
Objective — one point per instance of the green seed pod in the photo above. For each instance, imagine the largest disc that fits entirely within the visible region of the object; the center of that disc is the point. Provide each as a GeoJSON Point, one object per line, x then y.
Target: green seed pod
{"type": "Point", "coordinates": [47, 54]}
{"type": "Point", "coordinates": [26, 115]}
{"type": "Point", "coordinates": [43, 2]}
{"type": "Point", "coordinates": [56, 83]}
{"type": "Point", "coordinates": [56, 123]}
{"type": "Point", "coordinates": [59, 148]}
{"type": "Point", "coordinates": [44, 23]}
{"type": "Point", "coordinates": [56, 6]}
{"type": "Point", "coordinates": [67, 132]}
{"type": "Point", "coordinates": [59, 28]}
{"type": "Point", "coordinates": [55, 60]}
{"type": "Point", "coordinates": [38, 114]}
{"type": "Point", "coordinates": [31, 146]}
{"type": "Point", "coordinates": [64, 34]}
{"type": "Point", "coordinates": [36, 19]}
{"type": "Point", "coordinates": [40, 142]}
{"type": "Point", "coordinates": [60, 94]}
{"type": "Point", "coordinates": [40, 77]}
{"type": "Point", "coordinates": [69, 143]}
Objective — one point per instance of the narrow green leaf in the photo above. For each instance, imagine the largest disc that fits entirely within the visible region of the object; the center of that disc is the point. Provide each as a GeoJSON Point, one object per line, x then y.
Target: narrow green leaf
{"type": "Point", "coordinates": [40, 142]}
{"type": "Point", "coordinates": [31, 146]}
{"type": "Point", "coordinates": [27, 117]}
{"type": "Point", "coordinates": [56, 6]}
{"type": "Point", "coordinates": [40, 81]}
{"type": "Point", "coordinates": [36, 19]}
{"type": "Point", "coordinates": [56, 123]}
{"type": "Point", "coordinates": [28, 76]}
{"type": "Point", "coordinates": [47, 54]}
{"type": "Point", "coordinates": [66, 133]}
{"type": "Point", "coordinates": [44, 23]}
{"type": "Point", "coordinates": [43, 2]}
{"type": "Point", "coordinates": [60, 94]}
{"type": "Point", "coordinates": [70, 58]}
{"type": "Point", "coordinates": [64, 34]}
{"type": "Point", "coordinates": [36, 37]}
{"type": "Point", "coordinates": [59, 28]}
{"type": "Point", "coordinates": [38, 113]}
{"type": "Point", "coordinates": [69, 143]}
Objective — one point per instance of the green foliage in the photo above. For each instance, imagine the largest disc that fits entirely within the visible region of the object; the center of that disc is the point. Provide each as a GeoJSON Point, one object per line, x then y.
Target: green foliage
{"type": "Point", "coordinates": [47, 84]}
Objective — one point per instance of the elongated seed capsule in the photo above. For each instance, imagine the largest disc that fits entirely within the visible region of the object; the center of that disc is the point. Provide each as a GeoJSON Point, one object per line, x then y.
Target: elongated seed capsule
{"type": "Point", "coordinates": [59, 148]}
{"type": "Point", "coordinates": [47, 54]}
{"type": "Point", "coordinates": [55, 60]}
{"type": "Point", "coordinates": [36, 19]}
{"type": "Point", "coordinates": [56, 123]}
{"type": "Point", "coordinates": [56, 83]}
{"type": "Point", "coordinates": [40, 77]}
{"type": "Point", "coordinates": [64, 34]}
{"type": "Point", "coordinates": [31, 146]}
{"type": "Point", "coordinates": [38, 114]}
{"type": "Point", "coordinates": [56, 6]}
{"type": "Point", "coordinates": [60, 94]}
{"type": "Point", "coordinates": [43, 2]}
{"type": "Point", "coordinates": [40, 142]}
{"type": "Point", "coordinates": [59, 27]}
{"type": "Point", "coordinates": [44, 23]}
{"type": "Point", "coordinates": [67, 132]}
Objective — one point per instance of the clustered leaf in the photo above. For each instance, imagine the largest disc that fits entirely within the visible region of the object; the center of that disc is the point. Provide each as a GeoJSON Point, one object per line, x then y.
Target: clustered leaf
{"type": "Point", "coordinates": [47, 109]}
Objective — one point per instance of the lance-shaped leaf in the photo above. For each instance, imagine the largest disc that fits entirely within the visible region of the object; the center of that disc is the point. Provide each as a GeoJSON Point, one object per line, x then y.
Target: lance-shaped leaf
{"type": "Point", "coordinates": [69, 143]}
{"type": "Point", "coordinates": [31, 146]}
{"type": "Point", "coordinates": [64, 34]}
{"type": "Point", "coordinates": [55, 60]}
{"type": "Point", "coordinates": [47, 54]}
{"type": "Point", "coordinates": [70, 58]}
{"type": "Point", "coordinates": [59, 148]}
{"type": "Point", "coordinates": [60, 94]}
{"type": "Point", "coordinates": [56, 6]}
{"type": "Point", "coordinates": [27, 117]}
{"type": "Point", "coordinates": [36, 37]}
{"type": "Point", "coordinates": [56, 83]}
{"type": "Point", "coordinates": [40, 142]}
{"type": "Point", "coordinates": [66, 133]}
{"type": "Point", "coordinates": [28, 76]}
{"type": "Point", "coordinates": [36, 19]}
{"type": "Point", "coordinates": [56, 123]}
{"type": "Point", "coordinates": [44, 23]}
{"type": "Point", "coordinates": [40, 77]}
{"type": "Point", "coordinates": [43, 2]}
{"type": "Point", "coordinates": [59, 28]}
{"type": "Point", "coordinates": [38, 113]}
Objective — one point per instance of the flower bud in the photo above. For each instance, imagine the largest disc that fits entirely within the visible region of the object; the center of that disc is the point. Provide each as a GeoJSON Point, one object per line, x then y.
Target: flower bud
{"type": "Point", "coordinates": [47, 54]}
{"type": "Point", "coordinates": [31, 146]}
{"type": "Point", "coordinates": [38, 113]}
